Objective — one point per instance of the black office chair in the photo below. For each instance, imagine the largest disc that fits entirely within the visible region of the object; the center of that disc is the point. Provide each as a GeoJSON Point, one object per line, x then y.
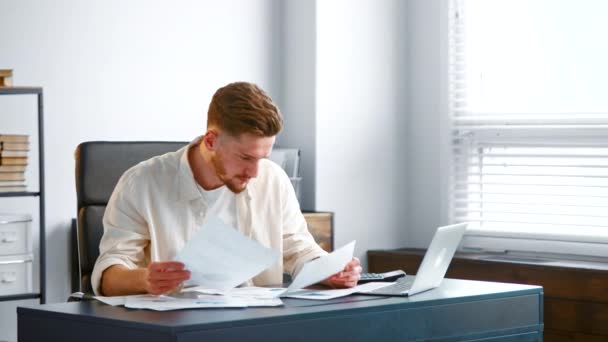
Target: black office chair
{"type": "Point", "coordinates": [99, 165]}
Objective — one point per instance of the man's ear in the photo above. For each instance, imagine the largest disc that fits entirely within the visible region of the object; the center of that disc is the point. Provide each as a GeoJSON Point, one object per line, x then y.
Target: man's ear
{"type": "Point", "coordinates": [210, 140]}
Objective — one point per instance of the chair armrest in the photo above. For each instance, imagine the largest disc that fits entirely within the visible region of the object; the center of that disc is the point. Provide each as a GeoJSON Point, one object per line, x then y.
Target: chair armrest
{"type": "Point", "coordinates": [80, 296]}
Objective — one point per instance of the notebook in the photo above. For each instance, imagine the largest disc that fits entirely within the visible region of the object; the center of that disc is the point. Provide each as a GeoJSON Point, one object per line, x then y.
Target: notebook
{"type": "Point", "coordinates": [434, 264]}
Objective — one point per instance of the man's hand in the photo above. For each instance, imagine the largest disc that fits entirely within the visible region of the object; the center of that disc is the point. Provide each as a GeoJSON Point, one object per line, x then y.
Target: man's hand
{"type": "Point", "coordinates": [157, 278]}
{"type": "Point", "coordinates": [162, 277]}
{"type": "Point", "coordinates": [348, 277]}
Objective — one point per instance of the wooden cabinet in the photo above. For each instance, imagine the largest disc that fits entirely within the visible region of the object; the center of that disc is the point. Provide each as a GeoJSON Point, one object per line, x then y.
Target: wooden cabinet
{"type": "Point", "coordinates": [321, 226]}
{"type": "Point", "coordinates": [575, 292]}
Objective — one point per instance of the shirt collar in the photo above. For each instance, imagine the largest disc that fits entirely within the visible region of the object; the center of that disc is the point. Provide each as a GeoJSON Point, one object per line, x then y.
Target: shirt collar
{"type": "Point", "coordinates": [187, 190]}
{"type": "Point", "coordinates": [187, 186]}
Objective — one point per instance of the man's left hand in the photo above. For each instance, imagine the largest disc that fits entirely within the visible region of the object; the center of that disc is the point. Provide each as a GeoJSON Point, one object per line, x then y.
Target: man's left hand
{"type": "Point", "coordinates": [348, 277]}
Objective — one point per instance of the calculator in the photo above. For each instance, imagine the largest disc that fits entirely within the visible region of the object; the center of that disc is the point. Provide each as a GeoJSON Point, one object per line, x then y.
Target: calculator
{"type": "Point", "coordinates": [387, 276]}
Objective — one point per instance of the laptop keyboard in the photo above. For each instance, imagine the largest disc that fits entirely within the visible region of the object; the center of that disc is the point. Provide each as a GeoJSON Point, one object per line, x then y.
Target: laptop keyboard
{"type": "Point", "coordinates": [400, 286]}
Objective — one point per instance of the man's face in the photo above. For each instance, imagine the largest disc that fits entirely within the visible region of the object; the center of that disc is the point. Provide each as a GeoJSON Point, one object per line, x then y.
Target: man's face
{"type": "Point", "coordinates": [236, 159]}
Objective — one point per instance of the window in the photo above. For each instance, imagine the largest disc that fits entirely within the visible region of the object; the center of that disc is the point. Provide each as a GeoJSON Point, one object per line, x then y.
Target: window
{"type": "Point", "coordinates": [528, 112]}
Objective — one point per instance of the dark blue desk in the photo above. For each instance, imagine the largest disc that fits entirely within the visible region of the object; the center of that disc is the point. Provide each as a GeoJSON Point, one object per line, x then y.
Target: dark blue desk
{"type": "Point", "coordinates": [459, 310]}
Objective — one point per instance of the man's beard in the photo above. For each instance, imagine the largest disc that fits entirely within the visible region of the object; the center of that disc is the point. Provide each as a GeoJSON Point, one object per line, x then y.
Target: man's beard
{"type": "Point", "coordinates": [220, 171]}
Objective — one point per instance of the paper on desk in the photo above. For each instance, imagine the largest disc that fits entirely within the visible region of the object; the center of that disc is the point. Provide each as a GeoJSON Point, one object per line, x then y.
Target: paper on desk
{"type": "Point", "coordinates": [252, 295]}
{"type": "Point", "coordinates": [256, 292]}
{"type": "Point", "coordinates": [164, 303]}
{"type": "Point", "coordinates": [336, 293]}
{"type": "Point", "coordinates": [219, 257]}
{"type": "Point", "coordinates": [192, 300]}
{"type": "Point", "coordinates": [247, 291]}
{"type": "Point", "coordinates": [322, 268]}
{"type": "Point", "coordinates": [114, 301]}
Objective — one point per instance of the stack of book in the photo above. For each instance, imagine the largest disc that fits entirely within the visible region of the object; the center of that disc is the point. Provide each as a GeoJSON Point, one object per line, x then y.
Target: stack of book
{"type": "Point", "coordinates": [6, 78]}
{"type": "Point", "coordinates": [13, 161]}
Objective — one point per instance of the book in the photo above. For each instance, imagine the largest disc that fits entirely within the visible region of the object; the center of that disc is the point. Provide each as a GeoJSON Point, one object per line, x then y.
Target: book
{"type": "Point", "coordinates": [12, 168]}
{"type": "Point", "coordinates": [6, 78]}
{"type": "Point", "coordinates": [11, 182]}
{"type": "Point", "coordinates": [14, 188]}
{"type": "Point", "coordinates": [13, 160]}
{"type": "Point", "coordinates": [23, 138]}
{"type": "Point", "coordinates": [12, 176]}
{"type": "Point", "coordinates": [12, 153]}
{"type": "Point", "coordinates": [6, 81]}
{"type": "Point", "coordinates": [14, 146]}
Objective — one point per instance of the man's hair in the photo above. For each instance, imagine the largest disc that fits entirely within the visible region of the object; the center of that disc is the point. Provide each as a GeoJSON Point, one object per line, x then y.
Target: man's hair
{"type": "Point", "coordinates": [243, 107]}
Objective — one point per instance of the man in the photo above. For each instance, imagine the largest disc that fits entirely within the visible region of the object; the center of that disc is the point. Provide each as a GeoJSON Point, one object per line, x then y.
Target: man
{"type": "Point", "coordinates": [160, 203]}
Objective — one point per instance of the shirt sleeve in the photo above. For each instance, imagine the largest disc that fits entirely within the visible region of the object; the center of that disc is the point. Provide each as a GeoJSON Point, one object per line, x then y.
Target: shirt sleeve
{"type": "Point", "coordinates": [299, 246]}
{"type": "Point", "coordinates": [125, 233]}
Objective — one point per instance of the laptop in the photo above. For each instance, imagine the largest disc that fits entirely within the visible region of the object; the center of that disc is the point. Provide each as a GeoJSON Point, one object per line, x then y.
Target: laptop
{"type": "Point", "coordinates": [434, 264]}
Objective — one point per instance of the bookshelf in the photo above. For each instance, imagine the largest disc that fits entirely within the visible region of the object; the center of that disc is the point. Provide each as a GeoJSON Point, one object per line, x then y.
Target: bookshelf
{"type": "Point", "coordinates": [40, 292]}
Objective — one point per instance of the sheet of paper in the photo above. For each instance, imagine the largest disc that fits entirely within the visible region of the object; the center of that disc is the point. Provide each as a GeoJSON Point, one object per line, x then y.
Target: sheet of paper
{"type": "Point", "coordinates": [261, 302]}
{"type": "Point", "coordinates": [256, 292]}
{"type": "Point", "coordinates": [245, 292]}
{"type": "Point", "coordinates": [251, 296]}
{"type": "Point", "coordinates": [114, 301]}
{"type": "Point", "coordinates": [164, 303]}
{"type": "Point", "coordinates": [220, 257]}
{"type": "Point", "coordinates": [335, 293]}
{"type": "Point", "coordinates": [322, 268]}
{"type": "Point", "coordinates": [204, 290]}
{"type": "Point", "coordinates": [195, 300]}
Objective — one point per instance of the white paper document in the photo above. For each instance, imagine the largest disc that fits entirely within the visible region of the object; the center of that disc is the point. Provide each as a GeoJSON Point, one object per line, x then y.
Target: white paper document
{"type": "Point", "coordinates": [220, 257]}
{"type": "Point", "coordinates": [256, 296]}
{"type": "Point", "coordinates": [248, 291]}
{"type": "Point", "coordinates": [165, 303]}
{"type": "Point", "coordinates": [336, 293]}
{"type": "Point", "coordinates": [114, 301]}
{"type": "Point", "coordinates": [193, 299]}
{"type": "Point", "coordinates": [322, 268]}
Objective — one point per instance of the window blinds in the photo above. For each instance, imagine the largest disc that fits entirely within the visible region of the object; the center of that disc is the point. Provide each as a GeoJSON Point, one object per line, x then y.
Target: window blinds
{"type": "Point", "coordinates": [529, 153]}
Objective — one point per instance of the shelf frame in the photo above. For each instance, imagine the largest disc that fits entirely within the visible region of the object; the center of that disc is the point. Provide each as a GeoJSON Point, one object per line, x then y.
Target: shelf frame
{"type": "Point", "coordinates": [20, 194]}
{"type": "Point", "coordinates": [20, 296]}
{"type": "Point", "coordinates": [40, 194]}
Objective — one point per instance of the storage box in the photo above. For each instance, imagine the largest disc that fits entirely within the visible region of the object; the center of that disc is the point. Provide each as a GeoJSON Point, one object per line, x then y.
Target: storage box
{"type": "Point", "coordinates": [15, 274]}
{"type": "Point", "coordinates": [15, 234]}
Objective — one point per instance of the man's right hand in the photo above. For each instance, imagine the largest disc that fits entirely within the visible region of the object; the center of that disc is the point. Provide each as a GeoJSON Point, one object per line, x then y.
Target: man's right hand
{"type": "Point", "coordinates": [165, 276]}
{"type": "Point", "coordinates": [157, 278]}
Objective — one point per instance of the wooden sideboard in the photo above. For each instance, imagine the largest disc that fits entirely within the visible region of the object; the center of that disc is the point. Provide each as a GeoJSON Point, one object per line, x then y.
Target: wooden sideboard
{"type": "Point", "coordinates": [575, 292]}
{"type": "Point", "coordinates": [321, 226]}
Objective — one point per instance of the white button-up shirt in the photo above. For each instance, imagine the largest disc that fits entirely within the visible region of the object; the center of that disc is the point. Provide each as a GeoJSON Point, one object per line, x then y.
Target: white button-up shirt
{"type": "Point", "coordinates": [156, 208]}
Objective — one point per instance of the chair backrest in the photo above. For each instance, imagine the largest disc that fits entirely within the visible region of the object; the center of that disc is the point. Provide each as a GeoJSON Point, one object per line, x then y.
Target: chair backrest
{"type": "Point", "coordinates": [99, 165]}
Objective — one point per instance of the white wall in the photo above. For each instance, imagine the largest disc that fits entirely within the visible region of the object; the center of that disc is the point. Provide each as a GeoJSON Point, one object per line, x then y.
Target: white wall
{"type": "Point", "coordinates": [361, 121]}
{"type": "Point", "coordinates": [130, 70]}
{"type": "Point", "coordinates": [297, 101]}
{"type": "Point", "coordinates": [344, 99]}
{"type": "Point", "coordinates": [426, 135]}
